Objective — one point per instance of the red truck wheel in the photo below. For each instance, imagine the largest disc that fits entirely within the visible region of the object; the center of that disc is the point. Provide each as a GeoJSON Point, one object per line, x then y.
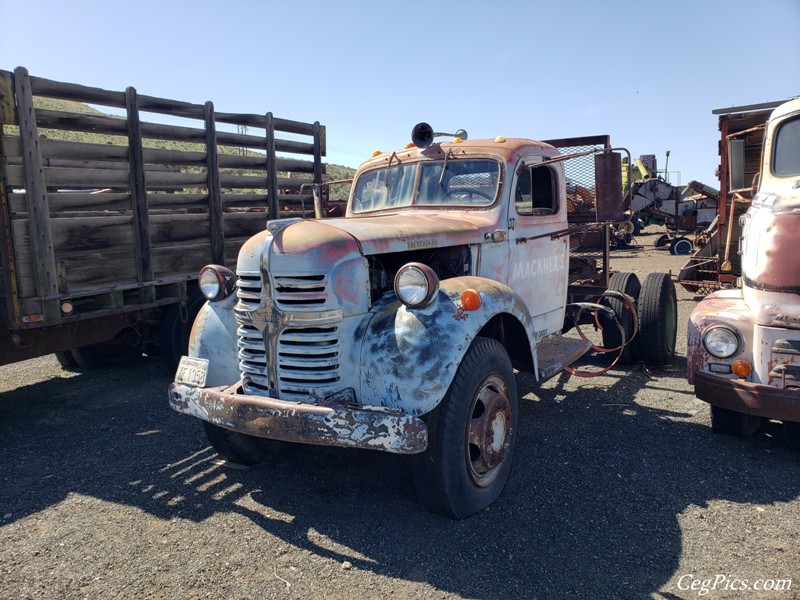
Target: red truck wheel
{"type": "Point", "coordinates": [729, 422]}
{"type": "Point", "coordinates": [471, 435]}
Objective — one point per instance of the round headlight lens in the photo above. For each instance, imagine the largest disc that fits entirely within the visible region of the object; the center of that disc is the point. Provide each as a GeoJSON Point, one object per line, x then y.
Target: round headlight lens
{"type": "Point", "coordinates": [416, 284]}
{"type": "Point", "coordinates": [721, 342]}
{"type": "Point", "coordinates": [216, 282]}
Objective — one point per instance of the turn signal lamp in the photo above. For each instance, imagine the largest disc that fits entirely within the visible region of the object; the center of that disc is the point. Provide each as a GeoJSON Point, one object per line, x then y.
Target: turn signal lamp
{"type": "Point", "coordinates": [499, 139]}
{"type": "Point", "coordinates": [470, 300]}
{"type": "Point", "coordinates": [376, 153]}
{"type": "Point", "coordinates": [741, 368]}
{"type": "Point", "coordinates": [410, 145]}
{"type": "Point", "coordinates": [457, 140]}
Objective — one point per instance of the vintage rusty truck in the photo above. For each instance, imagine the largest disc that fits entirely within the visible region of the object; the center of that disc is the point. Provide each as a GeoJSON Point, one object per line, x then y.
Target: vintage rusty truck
{"type": "Point", "coordinates": [397, 328]}
{"type": "Point", "coordinates": [744, 343]}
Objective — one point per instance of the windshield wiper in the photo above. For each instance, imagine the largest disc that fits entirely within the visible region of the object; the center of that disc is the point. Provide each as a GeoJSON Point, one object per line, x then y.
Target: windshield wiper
{"type": "Point", "coordinates": [444, 167]}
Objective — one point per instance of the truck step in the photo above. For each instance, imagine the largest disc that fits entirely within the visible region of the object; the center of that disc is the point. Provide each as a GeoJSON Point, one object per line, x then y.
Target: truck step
{"type": "Point", "coordinates": [558, 352]}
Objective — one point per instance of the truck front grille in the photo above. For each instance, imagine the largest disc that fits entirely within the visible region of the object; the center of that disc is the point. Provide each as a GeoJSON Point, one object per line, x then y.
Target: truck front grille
{"type": "Point", "coordinates": [307, 357]}
{"type": "Point", "coordinates": [300, 291]}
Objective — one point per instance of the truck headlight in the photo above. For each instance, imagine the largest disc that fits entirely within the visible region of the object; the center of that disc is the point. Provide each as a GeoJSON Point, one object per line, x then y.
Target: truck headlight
{"type": "Point", "coordinates": [416, 284]}
{"type": "Point", "coordinates": [216, 282]}
{"type": "Point", "coordinates": [720, 341]}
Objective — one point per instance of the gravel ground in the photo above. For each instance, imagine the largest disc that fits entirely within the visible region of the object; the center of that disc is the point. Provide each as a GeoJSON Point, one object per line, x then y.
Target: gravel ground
{"type": "Point", "coordinates": [619, 490]}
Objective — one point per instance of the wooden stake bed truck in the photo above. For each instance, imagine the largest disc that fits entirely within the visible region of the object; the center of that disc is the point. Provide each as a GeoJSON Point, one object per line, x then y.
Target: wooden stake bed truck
{"type": "Point", "coordinates": [107, 220]}
{"type": "Point", "coordinates": [398, 327]}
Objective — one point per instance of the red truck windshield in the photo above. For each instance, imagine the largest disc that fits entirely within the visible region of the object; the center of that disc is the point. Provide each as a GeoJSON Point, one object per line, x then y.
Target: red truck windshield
{"type": "Point", "coordinates": [455, 182]}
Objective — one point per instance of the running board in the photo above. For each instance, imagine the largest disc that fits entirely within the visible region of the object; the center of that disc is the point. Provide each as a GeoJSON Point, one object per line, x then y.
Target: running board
{"type": "Point", "coordinates": [555, 353]}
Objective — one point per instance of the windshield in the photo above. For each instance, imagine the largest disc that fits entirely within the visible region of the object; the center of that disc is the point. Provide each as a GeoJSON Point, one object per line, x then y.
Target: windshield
{"type": "Point", "coordinates": [786, 152]}
{"type": "Point", "coordinates": [451, 182]}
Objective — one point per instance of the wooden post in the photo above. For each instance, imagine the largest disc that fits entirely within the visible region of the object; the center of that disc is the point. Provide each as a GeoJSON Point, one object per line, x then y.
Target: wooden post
{"type": "Point", "coordinates": [214, 192]}
{"type": "Point", "coordinates": [46, 277]}
{"type": "Point", "coordinates": [138, 186]}
{"type": "Point", "coordinates": [272, 169]}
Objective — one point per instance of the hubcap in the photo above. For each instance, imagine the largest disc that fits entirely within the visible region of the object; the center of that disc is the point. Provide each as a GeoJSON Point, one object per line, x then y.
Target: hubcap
{"type": "Point", "coordinates": [488, 431]}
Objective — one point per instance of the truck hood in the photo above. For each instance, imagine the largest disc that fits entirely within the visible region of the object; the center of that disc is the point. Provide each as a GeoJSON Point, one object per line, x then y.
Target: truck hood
{"type": "Point", "coordinates": [414, 231]}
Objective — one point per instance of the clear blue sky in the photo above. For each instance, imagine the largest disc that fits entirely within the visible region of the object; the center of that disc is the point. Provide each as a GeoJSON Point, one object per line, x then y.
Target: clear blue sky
{"type": "Point", "coordinates": [649, 74]}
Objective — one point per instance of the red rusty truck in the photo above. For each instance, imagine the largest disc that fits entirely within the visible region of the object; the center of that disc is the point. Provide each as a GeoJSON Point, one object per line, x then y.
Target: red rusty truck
{"type": "Point", "coordinates": [744, 343]}
{"type": "Point", "coordinates": [398, 327]}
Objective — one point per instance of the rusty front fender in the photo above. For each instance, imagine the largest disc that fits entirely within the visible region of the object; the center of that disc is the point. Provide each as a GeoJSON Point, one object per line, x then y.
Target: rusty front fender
{"type": "Point", "coordinates": [410, 356]}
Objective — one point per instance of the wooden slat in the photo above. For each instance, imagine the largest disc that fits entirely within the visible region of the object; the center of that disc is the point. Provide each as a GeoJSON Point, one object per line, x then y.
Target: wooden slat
{"type": "Point", "coordinates": [77, 202]}
{"type": "Point", "coordinates": [213, 185]}
{"type": "Point", "coordinates": [78, 93]}
{"type": "Point", "coordinates": [272, 175]}
{"type": "Point", "coordinates": [173, 132]}
{"type": "Point", "coordinates": [40, 231]}
{"type": "Point", "coordinates": [183, 259]}
{"type": "Point", "coordinates": [53, 119]}
{"type": "Point", "coordinates": [138, 187]}
{"type": "Point", "coordinates": [179, 229]}
{"type": "Point", "coordinates": [7, 103]}
{"type": "Point", "coordinates": [94, 270]}
{"type": "Point", "coordinates": [177, 201]}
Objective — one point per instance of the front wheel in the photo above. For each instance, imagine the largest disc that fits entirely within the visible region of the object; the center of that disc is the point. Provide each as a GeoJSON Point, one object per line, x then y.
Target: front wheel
{"type": "Point", "coordinates": [471, 435]}
{"type": "Point", "coordinates": [243, 449]}
{"type": "Point", "coordinates": [730, 422]}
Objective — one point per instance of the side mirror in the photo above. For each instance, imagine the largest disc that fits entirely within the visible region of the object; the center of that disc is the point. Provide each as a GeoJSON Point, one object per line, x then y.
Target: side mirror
{"type": "Point", "coordinates": [608, 186]}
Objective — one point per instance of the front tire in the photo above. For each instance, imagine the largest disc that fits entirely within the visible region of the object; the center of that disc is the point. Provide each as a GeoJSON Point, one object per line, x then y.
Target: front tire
{"type": "Point", "coordinates": [471, 435]}
{"type": "Point", "coordinates": [242, 449]}
{"type": "Point", "coordinates": [730, 422]}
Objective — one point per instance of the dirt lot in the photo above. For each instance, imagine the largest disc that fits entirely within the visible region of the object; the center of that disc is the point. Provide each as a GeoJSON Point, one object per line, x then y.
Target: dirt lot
{"type": "Point", "coordinates": [619, 490]}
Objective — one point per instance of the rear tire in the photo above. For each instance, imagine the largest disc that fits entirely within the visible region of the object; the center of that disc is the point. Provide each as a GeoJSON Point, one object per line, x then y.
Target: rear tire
{"type": "Point", "coordinates": [66, 359]}
{"type": "Point", "coordinates": [124, 348]}
{"type": "Point", "coordinates": [243, 449]}
{"type": "Point", "coordinates": [174, 332]}
{"type": "Point", "coordinates": [729, 422]}
{"type": "Point", "coordinates": [627, 283]}
{"type": "Point", "coordinates": [471, 435]}
{"type": "Point", "coordinates": [658, 319]}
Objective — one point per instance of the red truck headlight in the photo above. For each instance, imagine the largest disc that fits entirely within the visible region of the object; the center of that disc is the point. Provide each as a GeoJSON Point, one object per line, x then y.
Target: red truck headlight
{"type": "Point", "coordinates": [720, 341]}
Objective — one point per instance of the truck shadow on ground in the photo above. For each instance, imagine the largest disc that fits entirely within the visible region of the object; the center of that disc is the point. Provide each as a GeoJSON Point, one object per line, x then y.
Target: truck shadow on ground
{"type": "Point", "coordinates": [591, 508]}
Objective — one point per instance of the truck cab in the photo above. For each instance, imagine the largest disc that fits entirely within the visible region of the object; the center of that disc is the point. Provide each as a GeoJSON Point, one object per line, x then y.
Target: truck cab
{"type": "Point", "coordinates": [744, 343]}
{"type": "Point", "coordinates": [397, 328]}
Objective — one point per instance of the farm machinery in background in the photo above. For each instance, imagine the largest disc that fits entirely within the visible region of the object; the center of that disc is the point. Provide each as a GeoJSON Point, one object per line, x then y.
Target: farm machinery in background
{"type": "Point", "coordinates": [688, 210]}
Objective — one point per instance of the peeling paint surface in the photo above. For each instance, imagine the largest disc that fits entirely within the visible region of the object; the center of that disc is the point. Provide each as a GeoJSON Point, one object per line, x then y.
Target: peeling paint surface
{"type": "Point", "coordinates": [322, 424]}
{"type": "Point", "coordinates": [410, 357]}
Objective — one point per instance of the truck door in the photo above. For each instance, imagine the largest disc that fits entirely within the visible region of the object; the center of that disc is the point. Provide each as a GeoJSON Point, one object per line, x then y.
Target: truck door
{"type": "Point", "coordinates": [538, 240]}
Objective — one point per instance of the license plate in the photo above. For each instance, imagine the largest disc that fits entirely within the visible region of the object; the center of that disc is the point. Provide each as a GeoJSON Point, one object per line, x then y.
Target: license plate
{"type": "Point", "coordinates": [192, 371]}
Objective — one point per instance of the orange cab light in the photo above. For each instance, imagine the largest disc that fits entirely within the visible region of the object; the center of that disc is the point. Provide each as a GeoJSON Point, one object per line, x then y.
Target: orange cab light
{"type": "Point", "coordinates": [376, 153]}
{"type": "Point", "coordinates": [741, 367]}
{"type": "Point", "coordinates": [410, 145]}
{"type": "Point", "coordinates": [470, 300]}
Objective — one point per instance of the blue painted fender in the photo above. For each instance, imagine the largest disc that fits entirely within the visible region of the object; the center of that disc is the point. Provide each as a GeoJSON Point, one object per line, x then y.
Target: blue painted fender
{"type": "Point", "coordinates": [214, 337]}
{"type": "Point", "coordinates": [410, 356]}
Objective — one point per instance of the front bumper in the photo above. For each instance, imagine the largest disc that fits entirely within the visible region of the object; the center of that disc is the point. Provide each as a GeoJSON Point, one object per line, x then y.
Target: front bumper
{"type": "Point", "coordinates": [321, 424]}
{"type": "Point", "coordinates": [749, 398]}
